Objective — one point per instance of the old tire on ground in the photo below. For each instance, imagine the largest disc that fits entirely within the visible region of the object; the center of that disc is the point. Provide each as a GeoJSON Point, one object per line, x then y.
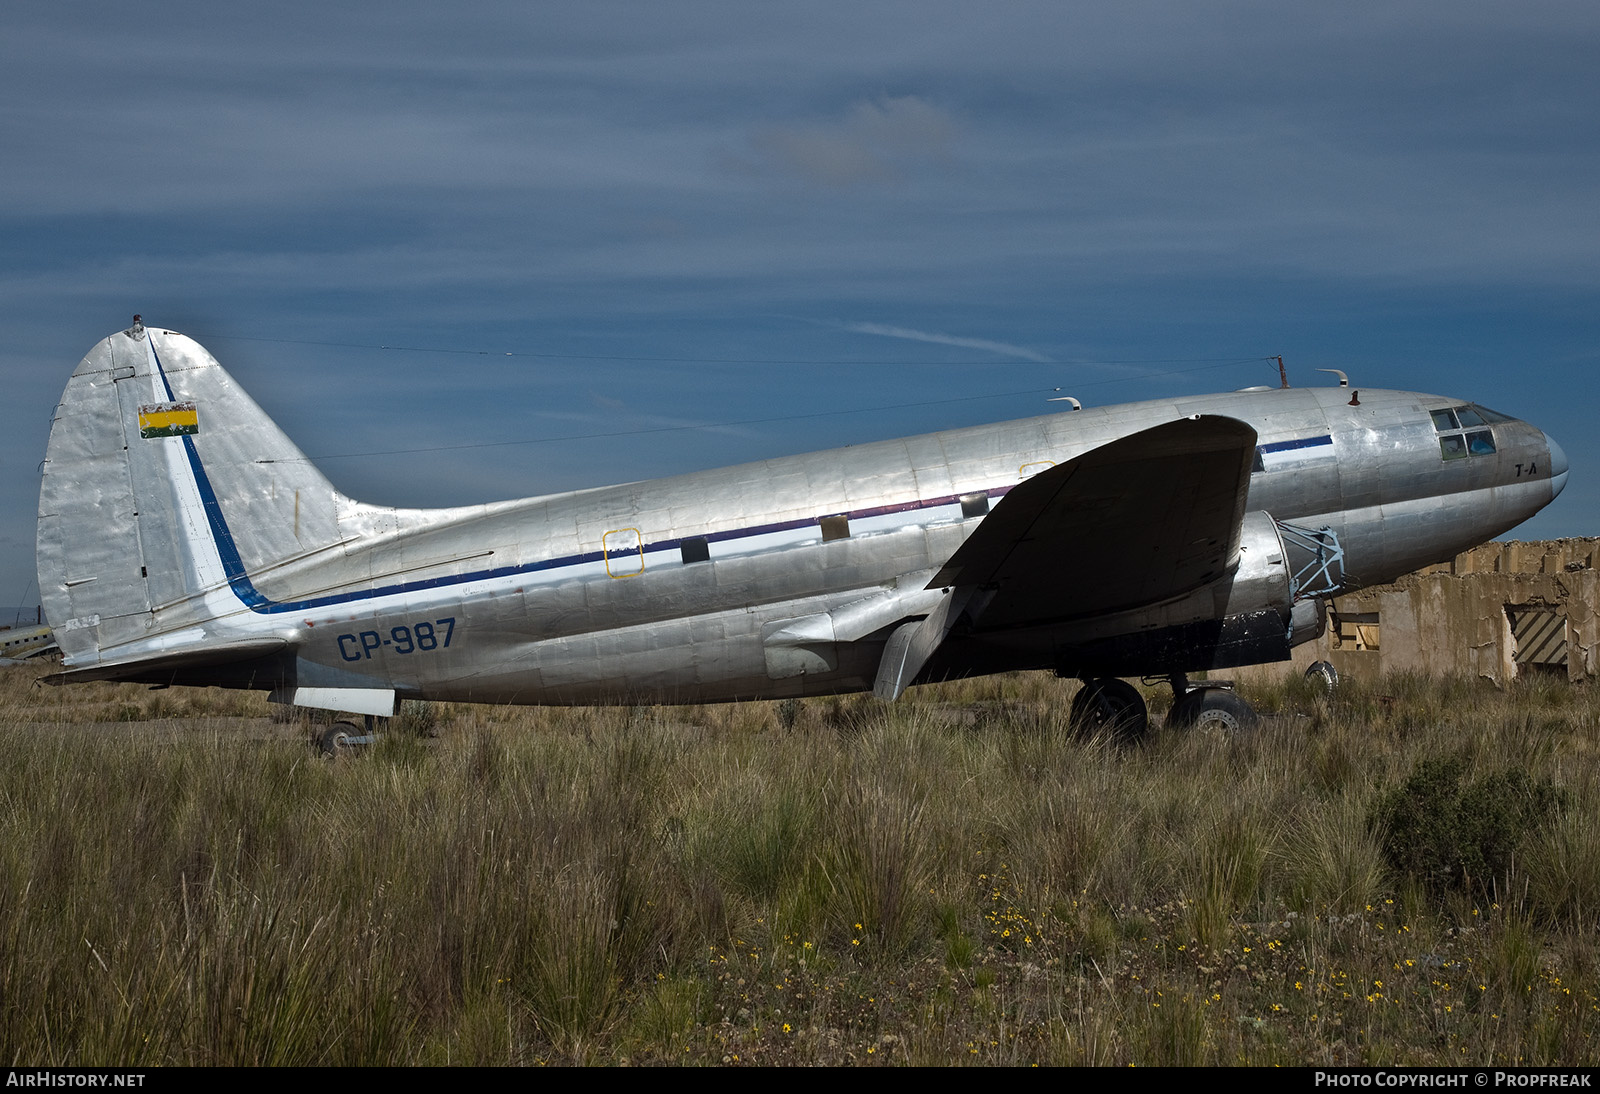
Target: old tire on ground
{"type": "Point", "coordinates": [1213, 709]}
{"type": "Point", "coordinates": [1325, 676]}
{"type": "Point", "coordinates": [1112, 707]}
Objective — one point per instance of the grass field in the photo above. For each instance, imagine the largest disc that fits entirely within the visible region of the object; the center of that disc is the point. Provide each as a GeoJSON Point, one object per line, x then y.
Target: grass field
{"type": "Point", "coordinates": [953, 878]}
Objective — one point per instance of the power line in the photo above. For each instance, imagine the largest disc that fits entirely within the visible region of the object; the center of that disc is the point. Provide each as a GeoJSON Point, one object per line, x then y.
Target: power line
{"type": "Point", "coordinates": [541, 355]}
{"type": "Point", "coordinates": [747, 421]}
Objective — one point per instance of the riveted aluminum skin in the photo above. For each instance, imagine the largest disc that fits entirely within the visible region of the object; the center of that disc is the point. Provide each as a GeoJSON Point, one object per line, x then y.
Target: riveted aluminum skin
{"type": "Point", "coordinates": [184, 538]}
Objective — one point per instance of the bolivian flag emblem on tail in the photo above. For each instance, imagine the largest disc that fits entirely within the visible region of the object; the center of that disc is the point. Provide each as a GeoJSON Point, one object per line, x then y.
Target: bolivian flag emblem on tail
{"type": "Point", "coordinates": [168, 420]}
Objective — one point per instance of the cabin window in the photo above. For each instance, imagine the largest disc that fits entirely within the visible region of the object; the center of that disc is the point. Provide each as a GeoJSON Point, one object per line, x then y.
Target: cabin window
{"type": "Point", "coordinates": [695, 549]}
{"type": "Point", "coordinates": [834, 528]}
{"type": "Point", "coordinates": [974, 505]}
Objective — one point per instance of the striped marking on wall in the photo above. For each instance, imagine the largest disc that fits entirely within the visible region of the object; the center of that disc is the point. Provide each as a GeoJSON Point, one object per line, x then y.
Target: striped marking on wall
{"type": "Point", "coordinates": [1539, 636]}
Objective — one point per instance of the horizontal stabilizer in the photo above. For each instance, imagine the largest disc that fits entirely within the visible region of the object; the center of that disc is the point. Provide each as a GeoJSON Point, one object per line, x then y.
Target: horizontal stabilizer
{"type": "Point", "coordinates": [139, 668]}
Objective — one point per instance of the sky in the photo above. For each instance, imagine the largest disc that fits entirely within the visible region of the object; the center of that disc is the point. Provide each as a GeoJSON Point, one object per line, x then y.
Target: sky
{"type": "Point", "coordinates": [492, 250]}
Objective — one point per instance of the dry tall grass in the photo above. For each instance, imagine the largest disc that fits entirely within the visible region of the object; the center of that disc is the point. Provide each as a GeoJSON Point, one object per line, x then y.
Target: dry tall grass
{"type": "Point", "coordinates": [951, 878]}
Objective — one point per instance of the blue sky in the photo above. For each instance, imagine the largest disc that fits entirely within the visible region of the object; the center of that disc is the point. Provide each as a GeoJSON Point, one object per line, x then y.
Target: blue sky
{"type": "Point", "coordinates": [595, 236]}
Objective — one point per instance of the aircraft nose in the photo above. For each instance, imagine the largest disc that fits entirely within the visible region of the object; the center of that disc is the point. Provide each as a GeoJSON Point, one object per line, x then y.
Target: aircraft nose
{"type": "Point", "coordinates": [1558, 467]}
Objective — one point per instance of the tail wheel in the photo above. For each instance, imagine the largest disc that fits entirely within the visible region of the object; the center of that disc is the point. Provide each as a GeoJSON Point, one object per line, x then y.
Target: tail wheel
{"type": "Point", "coordinates": [335, 740]}
{"type": "Point", "coordinates": [1213, 709]}
{"type": "Point", "coordinates": [1112, 707]}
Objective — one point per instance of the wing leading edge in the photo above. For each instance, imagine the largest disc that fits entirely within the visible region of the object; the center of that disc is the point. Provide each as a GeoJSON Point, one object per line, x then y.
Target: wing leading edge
{"type": "Point", "coordinates": [1134, 522]}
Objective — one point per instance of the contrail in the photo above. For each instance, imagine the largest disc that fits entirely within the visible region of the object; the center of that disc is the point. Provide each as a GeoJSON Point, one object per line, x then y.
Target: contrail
{"type": "Point", "coordinates": [887, 331]}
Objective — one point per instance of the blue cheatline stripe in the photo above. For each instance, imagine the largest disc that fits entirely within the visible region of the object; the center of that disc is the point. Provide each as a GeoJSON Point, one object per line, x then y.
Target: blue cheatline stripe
{"type": "Point", "coordinates": [160, 369]}
{"type": "Point", "coordinates": [1303, 442]}
{"type": "Point", "coordinates": [252, 598]}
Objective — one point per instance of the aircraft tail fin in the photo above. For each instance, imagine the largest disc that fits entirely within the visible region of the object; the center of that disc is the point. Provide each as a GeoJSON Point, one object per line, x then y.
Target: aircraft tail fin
{"type": "Point", "coordinates": [151, 444]}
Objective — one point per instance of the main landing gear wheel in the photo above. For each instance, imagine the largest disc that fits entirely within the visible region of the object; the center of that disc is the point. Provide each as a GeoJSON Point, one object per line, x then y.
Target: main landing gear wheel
{"type": "Point", "coordinates": [1112, 707]}
{"type": "Point", "coordinates": [1213, 709]}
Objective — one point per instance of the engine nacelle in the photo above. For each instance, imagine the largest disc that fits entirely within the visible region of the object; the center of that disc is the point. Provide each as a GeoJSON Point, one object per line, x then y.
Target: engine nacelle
{"type": "Point", "coordinates": [1262, 578]}
{"type": "Point", "coordinates": [1247, 617]}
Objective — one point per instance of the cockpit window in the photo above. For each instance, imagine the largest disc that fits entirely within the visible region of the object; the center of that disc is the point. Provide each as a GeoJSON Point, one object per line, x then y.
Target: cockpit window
{"type": "Point", "coordinates": [1463, 431]}
{"type": "Point", "coordinates": [1493, 415]}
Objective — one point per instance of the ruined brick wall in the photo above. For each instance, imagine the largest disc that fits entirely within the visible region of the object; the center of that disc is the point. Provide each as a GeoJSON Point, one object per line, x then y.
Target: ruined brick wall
{"type": "Point", "coordinates": [1495, 611]}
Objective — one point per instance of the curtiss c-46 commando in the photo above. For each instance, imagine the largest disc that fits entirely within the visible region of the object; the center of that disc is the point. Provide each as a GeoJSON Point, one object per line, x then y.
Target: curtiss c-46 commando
{"type": "Point", "coordinates": [184, 539]}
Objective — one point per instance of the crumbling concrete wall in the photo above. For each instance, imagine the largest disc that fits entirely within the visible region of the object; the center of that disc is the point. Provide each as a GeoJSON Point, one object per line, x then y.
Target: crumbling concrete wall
{"type": "Point", "coordinates": [1459, 617]}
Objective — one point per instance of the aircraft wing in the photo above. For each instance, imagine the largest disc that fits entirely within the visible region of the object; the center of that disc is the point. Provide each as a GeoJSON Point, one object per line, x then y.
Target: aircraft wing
{"type": "Point", "coordinates": [1140, 520]}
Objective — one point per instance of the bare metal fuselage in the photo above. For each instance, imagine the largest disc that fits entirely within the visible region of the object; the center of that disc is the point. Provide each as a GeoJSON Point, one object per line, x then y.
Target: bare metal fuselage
{"type": "Point", "coordinates": [623, 624]}
{"type": "Point", "coordinates": [702, 587]}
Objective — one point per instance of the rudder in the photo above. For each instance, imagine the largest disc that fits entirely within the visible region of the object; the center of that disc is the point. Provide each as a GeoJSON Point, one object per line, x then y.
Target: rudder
{"type": "Point", "coordinates": [151, 444]}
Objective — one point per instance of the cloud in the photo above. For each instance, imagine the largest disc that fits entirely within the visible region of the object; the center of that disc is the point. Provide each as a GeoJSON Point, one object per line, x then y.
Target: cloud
{"type": "Point", "coordinates": [872, 142]}
{"type": "Point", "coordinates": [985, 344]}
